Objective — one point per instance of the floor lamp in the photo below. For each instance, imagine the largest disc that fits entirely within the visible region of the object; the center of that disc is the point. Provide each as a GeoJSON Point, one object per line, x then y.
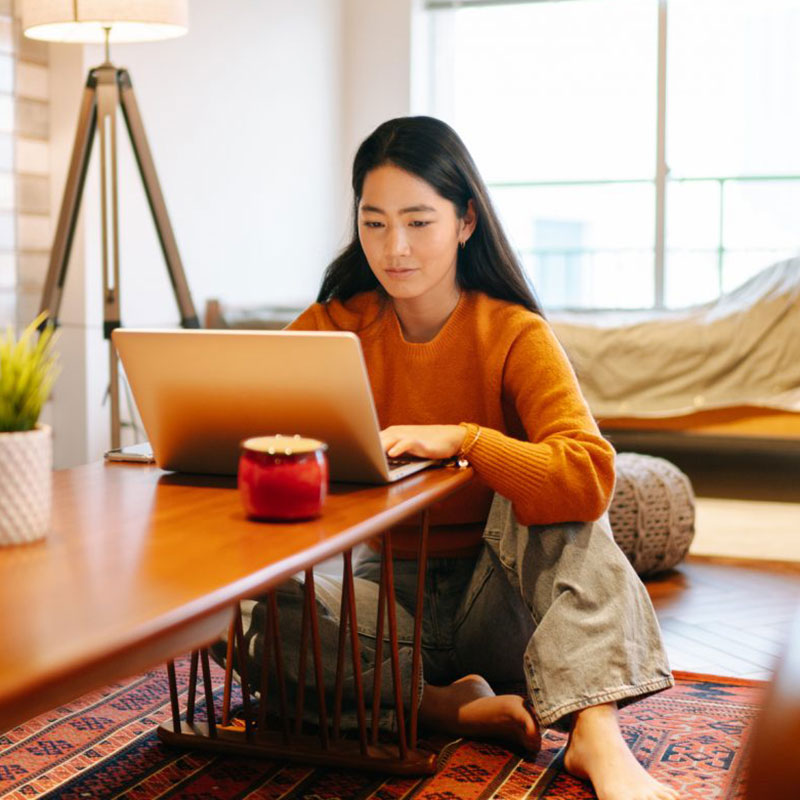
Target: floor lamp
{"type": "Point", "coordinates": [107, 89]}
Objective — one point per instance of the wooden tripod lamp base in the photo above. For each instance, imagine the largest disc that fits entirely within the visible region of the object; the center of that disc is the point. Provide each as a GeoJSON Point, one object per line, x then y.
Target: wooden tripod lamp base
{"type": "Point", "coordinates": [109, 89]}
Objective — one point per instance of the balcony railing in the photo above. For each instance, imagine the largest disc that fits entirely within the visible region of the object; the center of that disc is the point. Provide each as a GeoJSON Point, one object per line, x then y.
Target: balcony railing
{"type": "Point", "coordinates": [722, 181]}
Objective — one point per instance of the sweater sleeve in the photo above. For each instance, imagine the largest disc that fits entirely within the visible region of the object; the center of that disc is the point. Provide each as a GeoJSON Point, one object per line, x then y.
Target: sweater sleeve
{"type": "Point", "coordinates": [565, 471]}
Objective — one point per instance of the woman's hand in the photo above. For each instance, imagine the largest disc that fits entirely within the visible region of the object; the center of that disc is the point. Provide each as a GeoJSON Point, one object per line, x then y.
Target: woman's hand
{"type": "Point", "coordinates": [425, 441]}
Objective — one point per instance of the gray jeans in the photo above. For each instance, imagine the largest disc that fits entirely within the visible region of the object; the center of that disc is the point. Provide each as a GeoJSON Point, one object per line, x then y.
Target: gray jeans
{"type": "Point", "coordinates": [555, 610]}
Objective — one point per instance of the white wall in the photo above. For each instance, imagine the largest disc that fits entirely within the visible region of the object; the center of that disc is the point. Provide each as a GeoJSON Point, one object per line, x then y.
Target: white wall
{"type": "Point", "coordinates": [253, 119]}
{"type": "Point", "coordinates": [70, 412]}
{"type": "Point", "coordinates": [243, 116]}
{"type": "Point", "coordinates": [377, 70]}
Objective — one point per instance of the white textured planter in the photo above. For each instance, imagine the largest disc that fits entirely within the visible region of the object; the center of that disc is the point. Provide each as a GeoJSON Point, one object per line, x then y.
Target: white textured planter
{"type": "Point", "coordinates": [26, 485]}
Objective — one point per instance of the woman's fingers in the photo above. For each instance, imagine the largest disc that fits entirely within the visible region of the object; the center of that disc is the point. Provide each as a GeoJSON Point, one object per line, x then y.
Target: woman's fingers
{"type": "Point", "coordinates": [396, 441]}
{"type": "Point", "coordinates": [409, 446]}
{"type": "Point", "coordinates": [388, 440]}
{"type": "Point", "coordinates": [425, 441]}
{"type": "Point", "coordinates": [397, 449]}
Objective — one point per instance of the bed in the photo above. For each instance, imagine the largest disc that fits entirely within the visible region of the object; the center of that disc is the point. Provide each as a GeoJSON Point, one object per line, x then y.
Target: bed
{"type": "Point", "coordinates": [724, 375]}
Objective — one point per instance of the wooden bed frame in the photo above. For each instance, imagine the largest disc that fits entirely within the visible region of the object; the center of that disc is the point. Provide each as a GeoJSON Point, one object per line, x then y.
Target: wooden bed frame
{"type": "Point", "coordinates": [735, 428]}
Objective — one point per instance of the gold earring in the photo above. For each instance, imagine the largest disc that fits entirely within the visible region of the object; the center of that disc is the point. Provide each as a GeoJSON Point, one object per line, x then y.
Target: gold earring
{"type": "Point", "coordinates": [462, 244]}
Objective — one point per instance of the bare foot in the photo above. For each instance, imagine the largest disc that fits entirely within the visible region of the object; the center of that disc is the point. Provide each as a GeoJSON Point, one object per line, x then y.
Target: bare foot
{"type": "Point", "coordinates": [596, 751]}
{"type": "Point", "coordinates": [469, 707]}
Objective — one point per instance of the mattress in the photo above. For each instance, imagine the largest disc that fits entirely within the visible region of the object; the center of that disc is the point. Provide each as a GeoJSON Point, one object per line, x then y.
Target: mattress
{"type": "Point", "coordinates": [733, 362]}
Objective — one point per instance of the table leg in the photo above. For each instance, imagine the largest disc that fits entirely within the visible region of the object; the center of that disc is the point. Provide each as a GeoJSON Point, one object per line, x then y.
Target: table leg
{"type": "Point", "coordinates": [241, 650]}
{"type": "Point", "coordinates": [226, 697]}
{"type": "Point", "coordinates": [340, 656]}
{"type": "Point", "coordinates": [402, 758]}
{"type": "Point", "coordinates": [209, 692]}
{"type": "Point", "coordinates": [349, 587]}
{"type": "Point", "coordinates": [377, 667]}
{"type": "Point", "coordinates": [303, 658]}
{"type": "Point", "coordinates": [190, 700]}
{"type": "Point", "coordinates": [422, 565]}
{"type": "Point", "coordinates": [276, 646]}
{"type": "Point", "coordinates": [264, 687]}
{"type": "Point", "coordinates": [395, 650]}
{"type": "Point", "coordinates": [173, 696]}
{"type": "Point", "coordinates": [311, 600]}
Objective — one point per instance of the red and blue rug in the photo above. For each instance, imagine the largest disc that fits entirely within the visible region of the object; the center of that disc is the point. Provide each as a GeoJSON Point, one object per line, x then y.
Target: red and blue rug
{"type": "Point", "coordinates": [693, 737]}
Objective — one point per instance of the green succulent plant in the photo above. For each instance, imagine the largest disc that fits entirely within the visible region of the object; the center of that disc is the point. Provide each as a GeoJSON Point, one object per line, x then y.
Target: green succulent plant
{"type": "Point", "coordinates": [28, 369]}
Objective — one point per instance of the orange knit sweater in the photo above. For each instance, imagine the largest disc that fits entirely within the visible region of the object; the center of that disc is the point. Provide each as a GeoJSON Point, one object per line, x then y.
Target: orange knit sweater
{"type": "Point", "coordinates": [496, 365]}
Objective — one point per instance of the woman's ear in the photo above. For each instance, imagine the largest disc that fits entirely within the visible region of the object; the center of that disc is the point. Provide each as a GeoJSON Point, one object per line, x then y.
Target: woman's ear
{"type": "Point", "coordinates": [468, 221]}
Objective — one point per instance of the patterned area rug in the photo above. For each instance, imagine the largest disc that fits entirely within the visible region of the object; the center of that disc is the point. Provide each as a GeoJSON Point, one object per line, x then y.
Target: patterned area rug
{"type": "Point", "coordinates": [693, 737]}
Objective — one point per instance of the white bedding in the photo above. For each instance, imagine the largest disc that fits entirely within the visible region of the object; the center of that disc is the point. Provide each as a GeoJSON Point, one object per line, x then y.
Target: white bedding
{"type": "Point", "coordinates": [743, 349]}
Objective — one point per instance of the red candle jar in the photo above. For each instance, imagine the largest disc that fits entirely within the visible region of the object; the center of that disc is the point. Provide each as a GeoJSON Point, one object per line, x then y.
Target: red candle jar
{"type": "Point", "coordinates": [283, 477]}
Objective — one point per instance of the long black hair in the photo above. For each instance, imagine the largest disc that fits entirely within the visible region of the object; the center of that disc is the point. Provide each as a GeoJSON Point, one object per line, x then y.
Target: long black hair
{"type": "Point", "coordinates": [432, 150]}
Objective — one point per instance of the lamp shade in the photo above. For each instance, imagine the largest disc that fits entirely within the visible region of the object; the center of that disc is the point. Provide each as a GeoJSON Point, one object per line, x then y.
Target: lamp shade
{"type": "Point", "coordinates": [86, 20]}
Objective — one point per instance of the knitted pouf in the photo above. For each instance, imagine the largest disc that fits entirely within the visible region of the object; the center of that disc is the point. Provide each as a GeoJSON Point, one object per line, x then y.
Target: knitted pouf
{"type": "Point", "coordinates": [652, 513]}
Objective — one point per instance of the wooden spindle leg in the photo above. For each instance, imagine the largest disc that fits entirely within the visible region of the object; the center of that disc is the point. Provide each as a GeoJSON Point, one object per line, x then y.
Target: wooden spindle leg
{"type": "Point", "coordinates": [279, 666]}
{"type": "Point", "coordinates": [241, 650]}
{"type": "Point", "coordinates": [209, 692]}
{"type": "Point", "coordinates": [355, 645]}
{"type": "Point", "coordinates": [264, 687]}
{"type": "Point", "coordinates": [377, 668]}
{"type": "Point", "coordinates": [173, 697]}
{"type": "Point", "coordinates": [302, 661]}
{"type": "Point", "coordinates": [340, 654]}
{"type": "Point", "coordinates": [190, 700]}
{"type": "Point", "coordinates": [316, 647]}
{"type": "Point", "coordinates": [416, 658]}
{"type": "Point", "coordinates": [226, 695]}
{"type": "Point", "coordinates": [391, 610]}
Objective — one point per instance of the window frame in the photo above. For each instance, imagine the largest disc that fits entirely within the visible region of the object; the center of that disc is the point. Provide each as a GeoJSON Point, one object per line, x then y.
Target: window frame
{"type": "Point", "coordinates": [662, 175]}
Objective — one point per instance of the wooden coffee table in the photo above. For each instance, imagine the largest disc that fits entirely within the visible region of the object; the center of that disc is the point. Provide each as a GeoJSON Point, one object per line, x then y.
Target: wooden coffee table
{"type": "Point", "coordinates": [142, 566]}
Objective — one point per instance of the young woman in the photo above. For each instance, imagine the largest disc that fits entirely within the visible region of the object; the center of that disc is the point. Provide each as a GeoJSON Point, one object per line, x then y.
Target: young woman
{"type": "Point", "coordinates": [463, 364]}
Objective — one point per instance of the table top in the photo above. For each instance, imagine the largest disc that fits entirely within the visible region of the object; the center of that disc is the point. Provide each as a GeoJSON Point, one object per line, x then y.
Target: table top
{"type": "Point", "coordinates": [143, 565]}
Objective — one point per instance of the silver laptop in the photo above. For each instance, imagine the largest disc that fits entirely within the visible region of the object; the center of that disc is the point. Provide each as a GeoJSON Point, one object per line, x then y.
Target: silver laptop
{"type": "Point", "coordinates": [201, 392]}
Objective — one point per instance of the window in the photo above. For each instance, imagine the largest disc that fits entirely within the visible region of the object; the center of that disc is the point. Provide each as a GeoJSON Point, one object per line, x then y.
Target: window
{"type": "Point", "coordinates": [641, 153]}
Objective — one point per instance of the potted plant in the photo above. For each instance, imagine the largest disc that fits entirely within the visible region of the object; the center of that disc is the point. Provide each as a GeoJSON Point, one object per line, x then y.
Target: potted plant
{"type": "Point", "coordinates": [27, 372]}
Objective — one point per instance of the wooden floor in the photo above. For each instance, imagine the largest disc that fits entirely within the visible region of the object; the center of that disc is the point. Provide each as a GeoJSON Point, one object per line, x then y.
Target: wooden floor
{"type": "Point", "coordinates": [730, 616]}
{"type": "Point", "coordinates": [726, 617]}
